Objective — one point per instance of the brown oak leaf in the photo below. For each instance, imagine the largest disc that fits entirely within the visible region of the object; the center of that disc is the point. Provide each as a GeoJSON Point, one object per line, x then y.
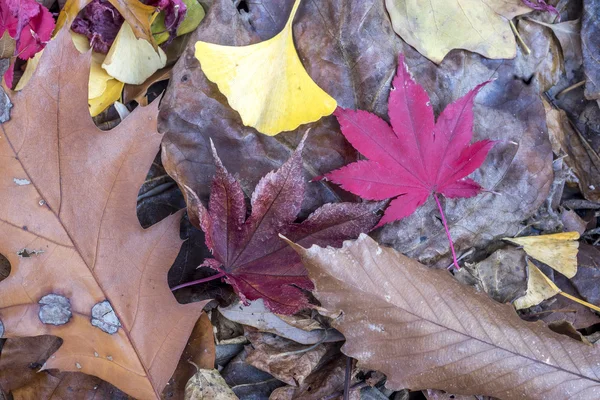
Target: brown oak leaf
{"type": "Point", "coordinates": [83, 268]}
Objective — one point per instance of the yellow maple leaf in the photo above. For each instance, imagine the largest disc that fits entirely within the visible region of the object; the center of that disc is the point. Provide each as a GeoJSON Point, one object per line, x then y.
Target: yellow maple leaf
{"type": "Point", "coordinates": [558, 251]}
{"type": "Point", "coordinates": [437, 26]}
{"type": "Point", "coordinates": [266, 82]}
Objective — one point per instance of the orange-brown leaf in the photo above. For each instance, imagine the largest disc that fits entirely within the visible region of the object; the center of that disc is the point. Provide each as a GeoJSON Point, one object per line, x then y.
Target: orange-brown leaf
{"type": "Point", "coordinates": [69, 229]}
{"type": "Point", "coordinates": [425, 330]}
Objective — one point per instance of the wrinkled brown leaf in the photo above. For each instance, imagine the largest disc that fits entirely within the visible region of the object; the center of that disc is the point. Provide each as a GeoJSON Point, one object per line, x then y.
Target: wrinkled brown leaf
{"type": "Point", "coordinates": [69, 203]}
{"type": "Point", "coordinates": [246, 380]}
{"type": "Point", "coordinates": [284, 359]}
{"type": "Point", "coordinates": [326, 380]}
{"type": "Point", "coordinates": [502, 275]}
{"type": "Point", "coordinates": [425, 330]}
{"type": "Point", "coordinates": [581, 157]}
{"type": "Point", "coordinates": [590, 44]}
{"type": "Point", "coordinates": [208, 384]}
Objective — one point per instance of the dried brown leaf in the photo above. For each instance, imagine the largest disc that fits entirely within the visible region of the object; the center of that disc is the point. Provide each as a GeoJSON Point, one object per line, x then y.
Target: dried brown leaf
{"type": "Point", "coordinates": [82, 267]}
{"type": "Point", "coordinates": [590, 44]}
{"type": "Point", "coordinates": [423, 329]}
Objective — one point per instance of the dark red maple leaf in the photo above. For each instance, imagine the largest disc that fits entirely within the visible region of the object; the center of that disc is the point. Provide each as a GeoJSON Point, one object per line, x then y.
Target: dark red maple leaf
{"type": "Point", "coordinates": [541, 5]}
{"type": "Point", "coordinates": [415, 157]}
{"type": "Point", "coordinates": [248, 252]}
{"type": "Point", "coordinates": [30, 24]}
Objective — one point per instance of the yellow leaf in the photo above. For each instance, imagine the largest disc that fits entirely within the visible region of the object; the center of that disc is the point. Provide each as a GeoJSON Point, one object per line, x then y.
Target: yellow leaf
{"type": "Point", "coordinates": [266, 82]}
{"type": "Point", "coordinates": [435, 27]}
{"type": "Point", "coordinates": [558, 251]}
{"type": "Point", "coordinates": [539, 288]}
{"type": "Point", "coordinates": [103, 89]}
{"type": "Point", "coordinates": [111, 93]}
{"type": "Point", "coordinates": [132, 60]}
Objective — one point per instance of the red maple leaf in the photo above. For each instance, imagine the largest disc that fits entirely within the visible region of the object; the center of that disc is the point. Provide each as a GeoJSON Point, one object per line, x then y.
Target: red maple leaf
{"type": "Point", "coordinates": [415, 157]}
{"type": "Point", "coordinates": [30, 24]}
{"type": "Point", "coordinates": [248, 252]}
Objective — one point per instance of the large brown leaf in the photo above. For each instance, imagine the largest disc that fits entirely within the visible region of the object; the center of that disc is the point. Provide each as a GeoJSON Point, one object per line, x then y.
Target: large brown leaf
{"type": "Point", "coordinates": [423, 329]}
{"type": "Point", "coordinates": [350, 50]}
{"type": "Point", "coordinates": [69, 230]}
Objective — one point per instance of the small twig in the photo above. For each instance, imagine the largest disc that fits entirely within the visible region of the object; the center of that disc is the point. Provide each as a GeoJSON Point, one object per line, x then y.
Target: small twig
{"type": "Point", "coordinates": [210, 278]}
{"type": "Point", "coordinates": [519, 38]}
{"type": "Point", "coordinates": [568, 89]}
{"type": "Point", "coordinates": [447, 230]}
{"type": "Point", "coordinates": [347, 378]}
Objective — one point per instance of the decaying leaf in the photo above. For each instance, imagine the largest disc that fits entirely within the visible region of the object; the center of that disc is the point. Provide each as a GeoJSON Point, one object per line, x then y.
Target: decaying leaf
{"type": "Point", "coordinates": [266, 82]}
{"type": "Point", "coordinates": [247, 250]}
{"type": "Point", "coordinates": [132, 60]}
{"type": "Point", "coordinates": [558, 250]}
{"type": "Point", "coordinates": [139, 16]}
{"type": "Point", "coordinates": [208, 384]}
{"type": "Point", "coordinates": [284, 359]}
{"type": "Point", "coordinates": [581, 156]}
{"type": "Point", "coordinates": [538, 289]}
{"type": "Point", "coordinates": [100, 22]}
{"type": "Point", "coordinates": [436, 27]}
{"type": "Point", "coordinates": [568, 34]}
{"type": "Point", "coordinates": [502, 275]}
{"type": "Point", "coordinates": [590, 42]}
{"type": "Point", "coordinates": [258, 316]}
{"type": "Point", "coordinates": [425, 330]}
{"type": "Point", "coordinates": [100, 284]}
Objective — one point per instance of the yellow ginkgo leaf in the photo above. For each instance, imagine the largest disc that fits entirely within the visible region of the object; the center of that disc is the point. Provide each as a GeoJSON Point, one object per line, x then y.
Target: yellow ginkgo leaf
{"type": "Point", "coordinates": [132, 60]}
{"type": "Point", "coordinates": [539, 288]}
{"type": "Point", "coordinates": [558, 251]}
{"type": "Point", "coordinates": [266, 82]}
{"type": "Point", "coordinates": [111, 94]}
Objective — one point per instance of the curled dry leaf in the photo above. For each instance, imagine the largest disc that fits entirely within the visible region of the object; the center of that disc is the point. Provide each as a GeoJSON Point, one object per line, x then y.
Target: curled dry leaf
{"type": "Point", "coordinates": [266, 82]}
{"type": "Point", "coordinates": [558, 250]}
{"type": "Point", "coordinates": [258, 316]}
{"type": "Point", "coordinates": [502, 275]}
{"type": "Point", "coordinates": [208, 384]}
{"type": "Point", "coordinates": [581, 156]}
{"type": "Point", "coordinates": [538, 289]}
{"type": "Point", "coordinates": [436, 27]}
{"type": "Point", "coordinates": [80, 281]}
{"type": "Point", "coordinates": [284, 359]}
{"type": "Point", "coordinates": [423, 329]}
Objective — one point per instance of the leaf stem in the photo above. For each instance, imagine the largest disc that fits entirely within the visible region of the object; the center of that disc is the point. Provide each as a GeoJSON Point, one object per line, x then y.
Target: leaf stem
{"type": "Point", "coordinates": [210, 278]}
{"type": "Point", "coordinates": [519, 38]}
{"type": "Point", "coordinates": [447, 230]}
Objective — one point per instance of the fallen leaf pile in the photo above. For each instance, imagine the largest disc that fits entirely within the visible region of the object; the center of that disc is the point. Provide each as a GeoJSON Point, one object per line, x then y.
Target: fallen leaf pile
{"type": "Point", "coordinates": [299, 200]}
